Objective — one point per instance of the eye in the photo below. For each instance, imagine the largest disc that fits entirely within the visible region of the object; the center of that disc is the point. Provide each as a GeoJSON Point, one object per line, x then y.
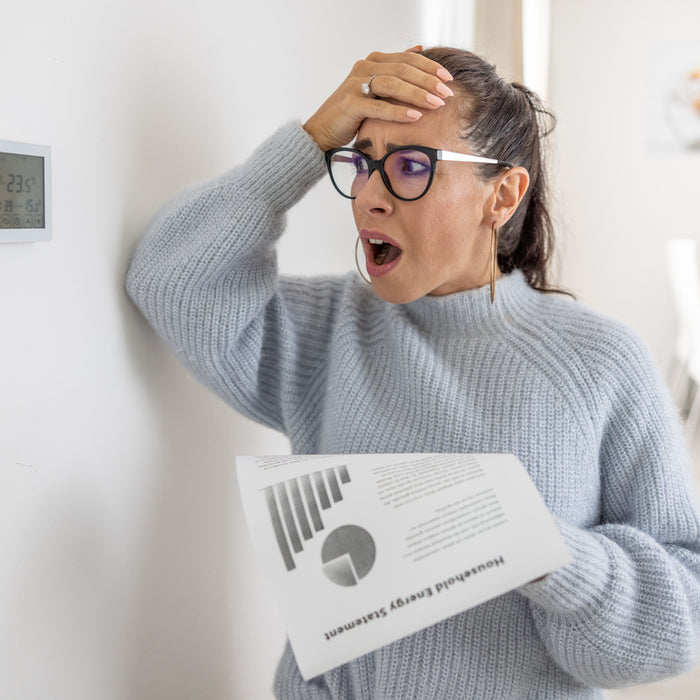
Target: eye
{"type": "Point", "coordinates": [413, 165]}
{"type": "Point", "coordinates": [360, 164]}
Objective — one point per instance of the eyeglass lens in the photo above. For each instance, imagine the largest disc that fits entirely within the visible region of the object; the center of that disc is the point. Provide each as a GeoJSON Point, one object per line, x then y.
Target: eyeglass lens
{"type": "Point", "coordinates": [406, 172]}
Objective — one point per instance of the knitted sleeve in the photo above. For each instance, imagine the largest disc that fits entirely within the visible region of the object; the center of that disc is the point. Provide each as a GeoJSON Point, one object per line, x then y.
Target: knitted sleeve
{"type": "Point", "coordinates": [205, 276]}
{"type": "Point", "coordinates": [627, 610]}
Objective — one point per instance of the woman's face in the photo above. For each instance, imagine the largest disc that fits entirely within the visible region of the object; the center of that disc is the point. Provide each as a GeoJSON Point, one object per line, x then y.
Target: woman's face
{"type": "Point", "coordinates": [445, 236]}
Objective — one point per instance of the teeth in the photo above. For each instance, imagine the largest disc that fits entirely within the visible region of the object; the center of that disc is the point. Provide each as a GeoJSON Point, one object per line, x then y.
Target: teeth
{"type": "Point", "coordinates": [376, 241]}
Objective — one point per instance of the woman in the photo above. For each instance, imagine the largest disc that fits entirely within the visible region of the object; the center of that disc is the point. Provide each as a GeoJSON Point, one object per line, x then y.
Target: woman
{"type": "Point", "coordinates": [453, 348]}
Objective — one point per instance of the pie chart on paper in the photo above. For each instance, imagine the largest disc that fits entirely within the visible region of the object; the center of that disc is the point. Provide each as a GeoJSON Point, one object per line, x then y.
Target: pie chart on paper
{"type": "Point", "coordinates": [348, 555]}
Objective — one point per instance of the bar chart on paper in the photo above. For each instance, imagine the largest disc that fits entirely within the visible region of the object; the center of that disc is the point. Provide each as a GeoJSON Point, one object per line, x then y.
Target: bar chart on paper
{"type": "Point", "coordinates": [295, 507]}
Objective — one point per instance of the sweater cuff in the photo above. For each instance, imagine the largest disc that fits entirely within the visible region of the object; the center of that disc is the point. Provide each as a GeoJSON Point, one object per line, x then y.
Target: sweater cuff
{"type": "Point", "coordinates": [285, 167]}
{"type": "Point", "coordinates": [580, 586]}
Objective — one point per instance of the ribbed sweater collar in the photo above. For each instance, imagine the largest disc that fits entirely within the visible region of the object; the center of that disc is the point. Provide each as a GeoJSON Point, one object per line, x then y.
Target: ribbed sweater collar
{"type": "Point", "coordinates": [472, 310]}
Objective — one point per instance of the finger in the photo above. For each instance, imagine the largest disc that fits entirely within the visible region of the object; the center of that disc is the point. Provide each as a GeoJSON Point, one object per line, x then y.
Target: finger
{"type": "Point", "coordinates": [412, 58]}
{"type": "Point", "coordinates": [430, 94]}
{"type": "Point", "coordinates": [386, 111]}
{"type": "Point", "coordinates": [406, 82]}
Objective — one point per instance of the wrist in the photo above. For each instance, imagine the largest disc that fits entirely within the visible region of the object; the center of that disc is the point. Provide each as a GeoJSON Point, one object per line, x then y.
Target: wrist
{"type": "Point", "coordinates": [322, 139]}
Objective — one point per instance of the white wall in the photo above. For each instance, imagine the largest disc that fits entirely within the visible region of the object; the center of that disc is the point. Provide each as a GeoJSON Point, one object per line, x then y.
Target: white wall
{"type": "Point", "coordinates": [125, 567]}
{"type": "Point", "coordinates": [619, 196]}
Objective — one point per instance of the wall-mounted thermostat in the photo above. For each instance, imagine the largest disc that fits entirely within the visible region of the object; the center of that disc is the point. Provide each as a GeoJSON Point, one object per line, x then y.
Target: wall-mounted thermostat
{"type": "Point", "coordinates": [25, 192]}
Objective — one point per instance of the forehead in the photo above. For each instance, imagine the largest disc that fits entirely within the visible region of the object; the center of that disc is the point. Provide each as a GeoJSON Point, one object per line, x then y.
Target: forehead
{"type": "Point", "coordinates": [436, 128]}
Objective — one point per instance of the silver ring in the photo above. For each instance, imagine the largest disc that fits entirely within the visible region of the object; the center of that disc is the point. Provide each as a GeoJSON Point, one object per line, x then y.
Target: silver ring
{"type": "Point", "coordinates": [367, 87]}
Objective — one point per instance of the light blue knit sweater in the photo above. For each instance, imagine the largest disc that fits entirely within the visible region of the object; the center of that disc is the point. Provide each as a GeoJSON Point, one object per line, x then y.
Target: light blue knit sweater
{"type": "Point", "coordinates": [574, 396]}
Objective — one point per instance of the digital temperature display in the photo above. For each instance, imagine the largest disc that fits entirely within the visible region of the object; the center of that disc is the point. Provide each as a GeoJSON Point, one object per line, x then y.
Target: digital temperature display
{"type": "Point", "coordinates": [24, 192]}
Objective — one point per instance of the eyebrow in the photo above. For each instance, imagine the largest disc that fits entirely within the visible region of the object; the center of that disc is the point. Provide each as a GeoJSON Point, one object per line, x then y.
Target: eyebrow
{"type": "Point", "coordinates": [362, 144]}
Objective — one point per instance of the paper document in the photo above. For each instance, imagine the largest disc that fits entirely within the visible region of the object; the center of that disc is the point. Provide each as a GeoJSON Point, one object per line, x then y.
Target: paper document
{"type": "Point", "coordinates": [362, 550]}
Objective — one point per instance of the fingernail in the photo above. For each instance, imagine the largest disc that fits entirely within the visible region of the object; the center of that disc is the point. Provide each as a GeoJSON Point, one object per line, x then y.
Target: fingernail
{"type": "Point", "coordinates": [435, 100]}
{"type": "Point", "coordinates": [413, 114]}
{"type": "Point", "coordinates": [444, 74]}
{"type": "Point", "coordinates": [444, 90]}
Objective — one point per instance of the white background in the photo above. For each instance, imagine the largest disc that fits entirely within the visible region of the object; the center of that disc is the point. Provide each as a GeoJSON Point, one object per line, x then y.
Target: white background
{"type": "Point", "coordinates": [125, 568]}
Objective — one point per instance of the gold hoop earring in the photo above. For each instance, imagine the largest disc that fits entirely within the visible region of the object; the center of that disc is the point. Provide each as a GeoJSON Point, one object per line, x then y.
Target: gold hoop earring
{"type": "Point", "coordinates": [494, 259]}
{"type": "Point", "coordinates": [357, 263]}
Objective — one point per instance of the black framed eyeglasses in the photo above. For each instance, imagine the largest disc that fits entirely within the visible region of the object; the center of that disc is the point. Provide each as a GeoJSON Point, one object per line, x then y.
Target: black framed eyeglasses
{"type": "Point", "coordinates": [407, 172]}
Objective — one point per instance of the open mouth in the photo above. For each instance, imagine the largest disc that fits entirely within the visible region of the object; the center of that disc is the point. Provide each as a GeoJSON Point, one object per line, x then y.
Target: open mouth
{"type": "Point", "coordinates": [383, 252]}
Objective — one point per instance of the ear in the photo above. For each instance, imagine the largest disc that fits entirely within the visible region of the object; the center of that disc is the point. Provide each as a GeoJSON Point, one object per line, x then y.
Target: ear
{"type": "Point", "coordinates": [509, 190]}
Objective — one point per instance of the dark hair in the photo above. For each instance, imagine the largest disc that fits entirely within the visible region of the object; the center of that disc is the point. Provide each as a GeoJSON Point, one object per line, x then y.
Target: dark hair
{"type": "Point", "coordinates": [507, 121]}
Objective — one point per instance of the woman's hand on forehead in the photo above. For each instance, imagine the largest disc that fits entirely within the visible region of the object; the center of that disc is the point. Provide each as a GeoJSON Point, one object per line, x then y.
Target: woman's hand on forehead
{"type": "Point", "coordinates": [406, 82]}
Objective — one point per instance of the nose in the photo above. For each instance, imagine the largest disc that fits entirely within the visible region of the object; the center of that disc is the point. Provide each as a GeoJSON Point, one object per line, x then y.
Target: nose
{"type": "Point", "coordinates": [374, 197]}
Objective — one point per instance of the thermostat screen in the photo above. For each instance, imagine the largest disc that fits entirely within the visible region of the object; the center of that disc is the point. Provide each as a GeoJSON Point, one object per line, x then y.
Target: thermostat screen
{"type": "Point", "coordinates": [21, 191]}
